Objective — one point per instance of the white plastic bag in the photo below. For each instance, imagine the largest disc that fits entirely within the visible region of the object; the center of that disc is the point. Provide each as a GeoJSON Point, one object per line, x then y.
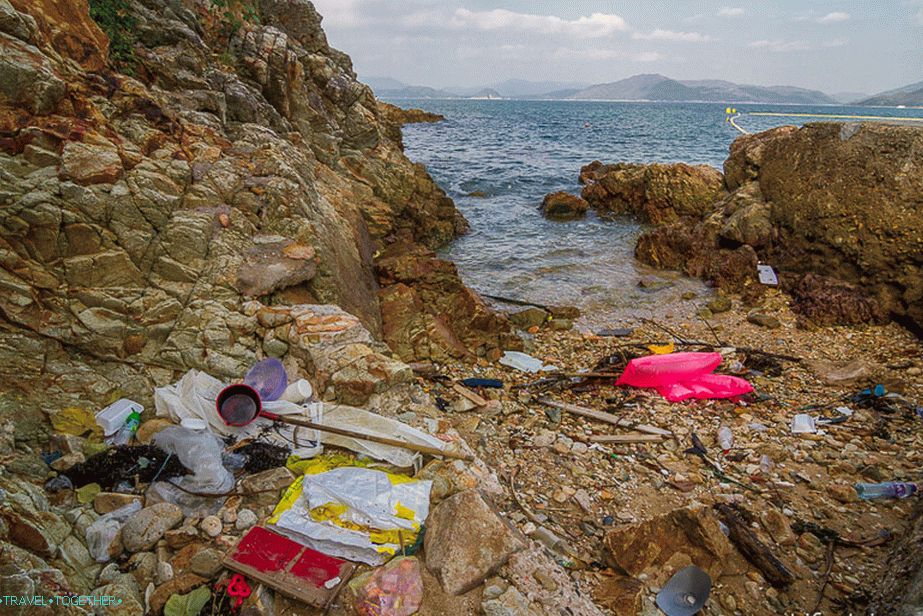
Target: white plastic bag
{"type": "Point", "coordinates": [525, 363]}
{"type": "Point", "coordinates": [199, 450]}
{"type": "Point", "coordinates": [355, 513]}
{"type": "Point", "coordinates": [102, 532]}
{"type": "Point", "coordinates": [351, 418]}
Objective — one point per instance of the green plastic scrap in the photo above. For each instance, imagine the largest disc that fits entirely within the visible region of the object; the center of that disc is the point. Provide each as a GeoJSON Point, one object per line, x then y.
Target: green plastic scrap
{"type": "Point", "coordinates": [189, 604]}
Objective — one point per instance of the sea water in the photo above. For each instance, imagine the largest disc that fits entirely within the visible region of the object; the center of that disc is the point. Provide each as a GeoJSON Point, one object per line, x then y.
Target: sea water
{"type": "Point", "coordinates": [498, 158]}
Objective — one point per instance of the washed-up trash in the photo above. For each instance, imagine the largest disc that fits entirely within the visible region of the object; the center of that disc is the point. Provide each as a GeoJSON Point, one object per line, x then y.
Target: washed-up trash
{"type": "Point", "coordinates": [289, 567]}
{"type": "Point", "coordinates": [706, 387]}
{"type": "Point", "coordinates": [199, 450]}
{"type": "Point", "coordinates": [888, 489]}
{"type": "Point", "coordinates": [662, 349]}
{"type": "Point", "coordinates": [657, 370]}
{"type": "Point", "coordinates": [267, 378]}
{"type": "Point", "coordinates": [485, 383]}
{"type": "Point", "coordinates": [102, 532]}
{"type": "Point", "coordinates": [524, 362]}
{"type": "Point", "coordinates": [189, 604]}
{"type": "Point", "coordinates": [767, 275]}
{"type": "Point", "coordinates": [614, 333]}
{"type": "Point", "coordinates": [74, 421]}
{"type": "Point", "coordinates": [803, 423]}
{"type": "Point", "coordinates": [297, 392]}
{"type": "Point", "coordinates": [238, 589]}
{"type": "Point", "coordinates": [685, 593]}
{"type": "Point", "coordinates": [680, 376]}
{"type": "Point", "coordinates": [127, 432]}
{"type": "Point", "coordinates": [114, 416]}
{"type": "Point", "coordinates": [118, 464]}
{"type": "Point", "coordinates": [393, 590]}
{"type": "Point", "coordinates": [725, 438]}
{"type": "Point", "coordinates": [87, 493]}
{"type": "Point", "coordinates": [355, 513]}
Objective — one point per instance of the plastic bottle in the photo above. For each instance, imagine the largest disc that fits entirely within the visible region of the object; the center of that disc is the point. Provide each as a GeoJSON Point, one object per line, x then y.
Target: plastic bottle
{"type": "Point", "coordinates": [725, 438]}
{"type": "Point", "coordinates": [888, 489]}
{"type": "Point", "coordinates": [128, 429]}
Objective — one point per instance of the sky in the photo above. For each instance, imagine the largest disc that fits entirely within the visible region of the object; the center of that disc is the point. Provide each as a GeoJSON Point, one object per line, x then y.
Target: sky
{"type": "Point", "coordinates": [831, 45]}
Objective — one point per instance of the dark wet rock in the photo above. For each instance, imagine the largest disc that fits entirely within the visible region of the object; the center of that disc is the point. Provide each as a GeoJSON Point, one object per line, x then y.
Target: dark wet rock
{"type": "Point", "coordinates": [825, 301]}
{"type": "Point", "coordinates": [564, 206]}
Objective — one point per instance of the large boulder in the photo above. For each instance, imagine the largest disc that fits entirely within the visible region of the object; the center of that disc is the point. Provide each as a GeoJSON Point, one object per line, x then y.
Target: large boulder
{"type": "Point", "coordinates": [835, 208]}
{"type": "Point", "coordinates": [466, 540]}
{"type": "Point", "coordinates": [656, 193]}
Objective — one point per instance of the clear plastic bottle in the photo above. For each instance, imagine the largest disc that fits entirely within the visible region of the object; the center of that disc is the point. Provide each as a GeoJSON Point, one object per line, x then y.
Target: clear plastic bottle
{"type": "Point", "coordinates": [725, 438]}
{"type": "Point", "coordinates": [888, 489]}
{"type": "Point", "coordinates": [128, 429]}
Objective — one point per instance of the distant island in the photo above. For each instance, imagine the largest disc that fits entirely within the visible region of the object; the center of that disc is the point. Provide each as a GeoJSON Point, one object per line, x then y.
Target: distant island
{"type": "Point", "coordinates": [909, 96]}
{"type": "Point", "coordinates": [649, 87]}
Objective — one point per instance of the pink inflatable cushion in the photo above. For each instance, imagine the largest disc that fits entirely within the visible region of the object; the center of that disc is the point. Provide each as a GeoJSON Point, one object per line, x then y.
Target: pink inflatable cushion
{"type": "Point", "coordinates": [705, 387]}
{"type": "Point", "coordinates": [658, 370]}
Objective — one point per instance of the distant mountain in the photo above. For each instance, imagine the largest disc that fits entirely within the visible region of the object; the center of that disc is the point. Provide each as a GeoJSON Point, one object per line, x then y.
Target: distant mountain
{"type": "Point", "coordinates": [520, 88]}
{"type": "Point", "coordinates": [846, 98]}
{"type": "Point", "coordinates": [383, 83]}
{"type": "Point", "coordinates": [911, 95]}
{"type": "Point", "coordinates": [413, 92]}
{"type": "Point", "coordinates": [660, 88]}
{"type": "Point", "coordinates": [489, 93]}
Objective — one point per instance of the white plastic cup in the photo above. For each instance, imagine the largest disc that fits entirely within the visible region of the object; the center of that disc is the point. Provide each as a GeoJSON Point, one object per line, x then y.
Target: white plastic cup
{"type": "Point", "coordinates": [297, 392]}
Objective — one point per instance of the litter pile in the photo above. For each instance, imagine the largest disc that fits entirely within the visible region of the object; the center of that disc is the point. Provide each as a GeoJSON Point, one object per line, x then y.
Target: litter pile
{"type": "Point", "coordinates": [635, 470]}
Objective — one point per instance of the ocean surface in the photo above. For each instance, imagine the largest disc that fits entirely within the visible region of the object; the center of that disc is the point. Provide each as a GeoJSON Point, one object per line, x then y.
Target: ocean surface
{"type": "Point", "coordinates": [497, 159]}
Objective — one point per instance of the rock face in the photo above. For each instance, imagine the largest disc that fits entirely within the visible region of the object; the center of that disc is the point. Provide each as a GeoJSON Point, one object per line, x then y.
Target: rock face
{"type": "Point", "coordinates": [656, 193]}
{"type": "Point", "coordinates": [664, 545]}
{"type": "Point", "coordinates": [466, 541]}
{"type": "Point", "coordinates": [564, 206]}
{"type": "Point", "coordinates": [835, 208]}
{"type": "Point", "coordinates": [399, 115]}
{"type": "Point", "coordinates": [139, 212]}
{"type": "Point", "coordinates": [428, 312]}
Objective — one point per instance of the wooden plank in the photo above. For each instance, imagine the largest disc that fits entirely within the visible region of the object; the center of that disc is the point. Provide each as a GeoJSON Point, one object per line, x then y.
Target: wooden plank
{"type": "Point", "coordinates": [470, 395]}
{"type": "Point", "coordinates": [582, 411]}
{"type": "Point", "coordinates": [753, 549]}
{"type": "Point", "coordinates": [626, 438]}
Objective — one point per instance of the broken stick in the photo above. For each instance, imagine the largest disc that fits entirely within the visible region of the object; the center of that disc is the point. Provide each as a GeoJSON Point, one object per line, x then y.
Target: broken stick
{"type": "Point", "coordinates": [470, 395]}
{"type": "Point", "coordinates": [753, 549]}
{"type": "Point", "coordinates": [582, 411]}
{"type": "Point", "coordinates": [626, 438]}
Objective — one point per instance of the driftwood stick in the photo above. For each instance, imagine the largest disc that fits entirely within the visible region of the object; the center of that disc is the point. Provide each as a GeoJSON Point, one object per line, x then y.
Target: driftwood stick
{"type": "Point", "coordinates": [753, 549]}
{"type": "Point", "coordinates": [605, 417]}
{"type": "Point", "coordinates": [516, 302]}
{"type": "Point", "coordinates": [626, 438]}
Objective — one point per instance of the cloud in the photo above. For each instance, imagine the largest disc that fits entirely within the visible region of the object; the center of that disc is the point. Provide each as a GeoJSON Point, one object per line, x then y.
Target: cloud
{"type": "Point", "coordinates": [779, 46]}
{"type": "Point", "coordinates": [595, 26]}
{"type": "Point", "coordinates": [670, 35]}
{"type": "Point", "coordinates": [835, 17]}
{"type": "Point", "coordinates": [731, 11]}
{"type": "Point", "coordinates": [648, 56]}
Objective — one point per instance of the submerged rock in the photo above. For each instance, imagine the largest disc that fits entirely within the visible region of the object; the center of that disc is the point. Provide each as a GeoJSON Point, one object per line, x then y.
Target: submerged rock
{"type": "Point", "coordinates": [564, 206]}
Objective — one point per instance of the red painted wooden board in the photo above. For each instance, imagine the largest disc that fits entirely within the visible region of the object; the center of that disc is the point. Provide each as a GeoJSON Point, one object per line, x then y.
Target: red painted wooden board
{"type": "Point", "coordinates": [288, 566]}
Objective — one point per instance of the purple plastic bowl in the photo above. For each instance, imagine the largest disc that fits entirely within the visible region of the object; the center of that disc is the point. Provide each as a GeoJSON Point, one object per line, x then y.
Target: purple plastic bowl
{"type": "Point", "coordinates": [268, 378]}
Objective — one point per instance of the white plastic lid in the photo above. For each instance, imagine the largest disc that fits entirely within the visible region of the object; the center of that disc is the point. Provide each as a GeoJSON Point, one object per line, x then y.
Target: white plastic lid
{"type": "Point", "coordinates": [193, 423]}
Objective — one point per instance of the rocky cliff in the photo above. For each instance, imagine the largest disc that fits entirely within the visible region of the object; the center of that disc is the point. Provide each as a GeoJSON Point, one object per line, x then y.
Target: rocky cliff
{"type": "Point", "coordinates": [836, 208]}
{"type": "Point", "coordinates": [215, 191]}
